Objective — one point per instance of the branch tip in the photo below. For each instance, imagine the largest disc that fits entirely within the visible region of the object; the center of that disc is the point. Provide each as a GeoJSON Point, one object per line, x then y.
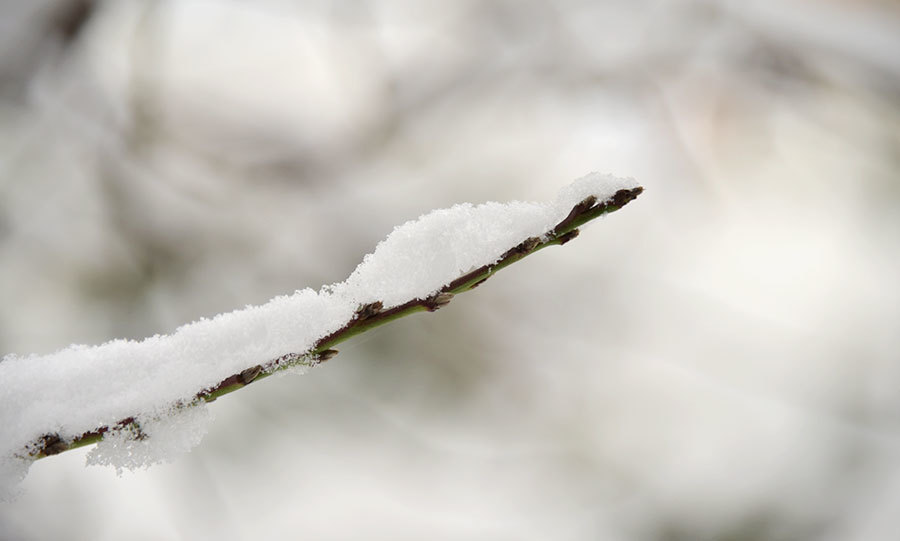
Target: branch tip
{"type": "Point", "coordinates": [623, 197]}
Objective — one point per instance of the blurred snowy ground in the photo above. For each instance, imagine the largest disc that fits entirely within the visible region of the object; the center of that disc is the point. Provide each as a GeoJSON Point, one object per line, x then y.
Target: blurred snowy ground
{"type": "Point", "coordinates": [718, 361]}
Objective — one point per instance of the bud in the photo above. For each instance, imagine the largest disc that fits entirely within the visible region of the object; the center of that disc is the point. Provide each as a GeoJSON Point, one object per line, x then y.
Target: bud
{"type": "Point", "coordinates": [566, 237]}
{"type": "Point", "coordinates": [323, 356]}
{"type": "Point", "coordinates": [53, 445]}
{"type": "Point", "coordinates": [250, 374]}
{"type": "Point", "coordinates": [438, 301]}
{"type": "Point", "coordinates": [368, 310]}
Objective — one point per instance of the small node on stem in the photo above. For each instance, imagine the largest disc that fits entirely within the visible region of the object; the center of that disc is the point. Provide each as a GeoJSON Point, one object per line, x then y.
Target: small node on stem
{"type": "Point", "coordinates": [250, 374]}
{"type": "Point", "coordinates": [586, 203]}
{"type": "Point", "coordinates": [566, 237]}
{"type": "Point", "coordinates": [53, 445]}
{"type": "Point", "coordinates": [523, 248]}
{"type": "Point", "coordinates": [137, 432]}
{"type": "Point", "coordinates": [530, 244]}
{"type": "Point", "coordinates": [438, 301]}
{"type": "Point", "coordinates": [368, 310]}
{"type": "Point", "coordinates": [288, 359]}
{"type": "Point", "coordinates": [577, 211]}
{"type": "Point", "coordinates": [323, 356]}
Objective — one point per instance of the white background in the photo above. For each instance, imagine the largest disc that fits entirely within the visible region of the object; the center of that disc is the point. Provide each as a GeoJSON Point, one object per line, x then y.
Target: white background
{"type": "Point", "coordinates": [716, 361]}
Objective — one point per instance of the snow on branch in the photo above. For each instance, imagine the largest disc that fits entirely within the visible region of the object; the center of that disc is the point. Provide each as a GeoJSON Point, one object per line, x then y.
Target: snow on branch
{"type": "Point", "coordinates": [143, 401]}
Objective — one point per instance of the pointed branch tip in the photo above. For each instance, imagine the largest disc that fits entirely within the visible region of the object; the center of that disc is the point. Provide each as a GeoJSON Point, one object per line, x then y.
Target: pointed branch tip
{"type": "Point", "coordinates": [623, 197]}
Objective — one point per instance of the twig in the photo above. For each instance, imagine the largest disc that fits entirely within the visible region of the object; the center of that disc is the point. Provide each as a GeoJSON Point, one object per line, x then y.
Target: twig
{"type": "Point", "coordinates": [367, 317]}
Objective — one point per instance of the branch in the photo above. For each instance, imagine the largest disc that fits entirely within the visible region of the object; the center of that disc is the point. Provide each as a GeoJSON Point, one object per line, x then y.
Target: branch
{"type": "Point", "coordinates": [366, 317]}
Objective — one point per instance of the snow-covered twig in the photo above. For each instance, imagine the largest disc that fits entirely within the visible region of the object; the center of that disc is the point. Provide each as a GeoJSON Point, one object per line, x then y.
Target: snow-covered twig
{"type": "Point", "coordinates": [81, 395]}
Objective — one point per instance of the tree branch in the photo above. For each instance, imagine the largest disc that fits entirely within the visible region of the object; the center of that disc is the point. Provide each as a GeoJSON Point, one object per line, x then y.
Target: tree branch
{"type": "Point", "coordinates": [367, 317]}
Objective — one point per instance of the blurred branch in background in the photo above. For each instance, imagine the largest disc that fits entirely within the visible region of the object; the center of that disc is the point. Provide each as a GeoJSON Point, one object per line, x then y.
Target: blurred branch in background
{"type": "Point", "coordinates": [172, 160]}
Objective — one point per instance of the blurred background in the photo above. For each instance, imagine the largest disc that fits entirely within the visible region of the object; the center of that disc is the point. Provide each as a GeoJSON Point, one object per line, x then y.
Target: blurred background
{"type": "Point", "coordinates": [718, 361]}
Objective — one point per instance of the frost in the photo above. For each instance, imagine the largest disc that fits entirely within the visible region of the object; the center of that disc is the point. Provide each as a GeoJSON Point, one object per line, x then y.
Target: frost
{"type": "Point", "coordinates": [82, 388]}
{"type": "Point", "coordinates": [152, 439]}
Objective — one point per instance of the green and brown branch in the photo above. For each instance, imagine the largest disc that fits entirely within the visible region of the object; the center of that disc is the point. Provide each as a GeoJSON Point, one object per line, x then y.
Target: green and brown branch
{"type": "Point", "coordinates": [367, 317]}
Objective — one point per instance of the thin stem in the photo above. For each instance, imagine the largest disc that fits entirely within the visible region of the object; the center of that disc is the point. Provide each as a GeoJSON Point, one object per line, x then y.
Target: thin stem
{"type": "Point", "coordinates": [369, 317]}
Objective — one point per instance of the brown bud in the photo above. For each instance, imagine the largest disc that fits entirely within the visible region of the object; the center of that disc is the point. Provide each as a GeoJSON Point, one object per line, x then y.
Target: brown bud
{"type": "Point", "coordinates": [577, 211]}
{"type": "Point", "coordinates": [368, 310]}
{"type": "Point", "coordinates": [323, 356]}
{"type": "Point", "coordinates": [523, 247]}
{"type": "Point", "coordinates": [250, 374]}
{"type": "Point", "coordinates": [566, 237]}
{"type": "Point", "coordinates": [438, 301]}
{"type": "Point", "coordinates": [53, 445]}
{"type": "Point", "coordinates": [623, 197]}
{"type": "Point", "coordinates": [530, 244]}
{"type": "Point", "coordinates": [586, 203]}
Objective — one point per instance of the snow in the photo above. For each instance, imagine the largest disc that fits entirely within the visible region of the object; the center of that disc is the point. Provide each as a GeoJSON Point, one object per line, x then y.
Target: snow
{"type": "Point", "coordinates": [160, 439]}
{"type": "Point", "coordinates": [82, 388]}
